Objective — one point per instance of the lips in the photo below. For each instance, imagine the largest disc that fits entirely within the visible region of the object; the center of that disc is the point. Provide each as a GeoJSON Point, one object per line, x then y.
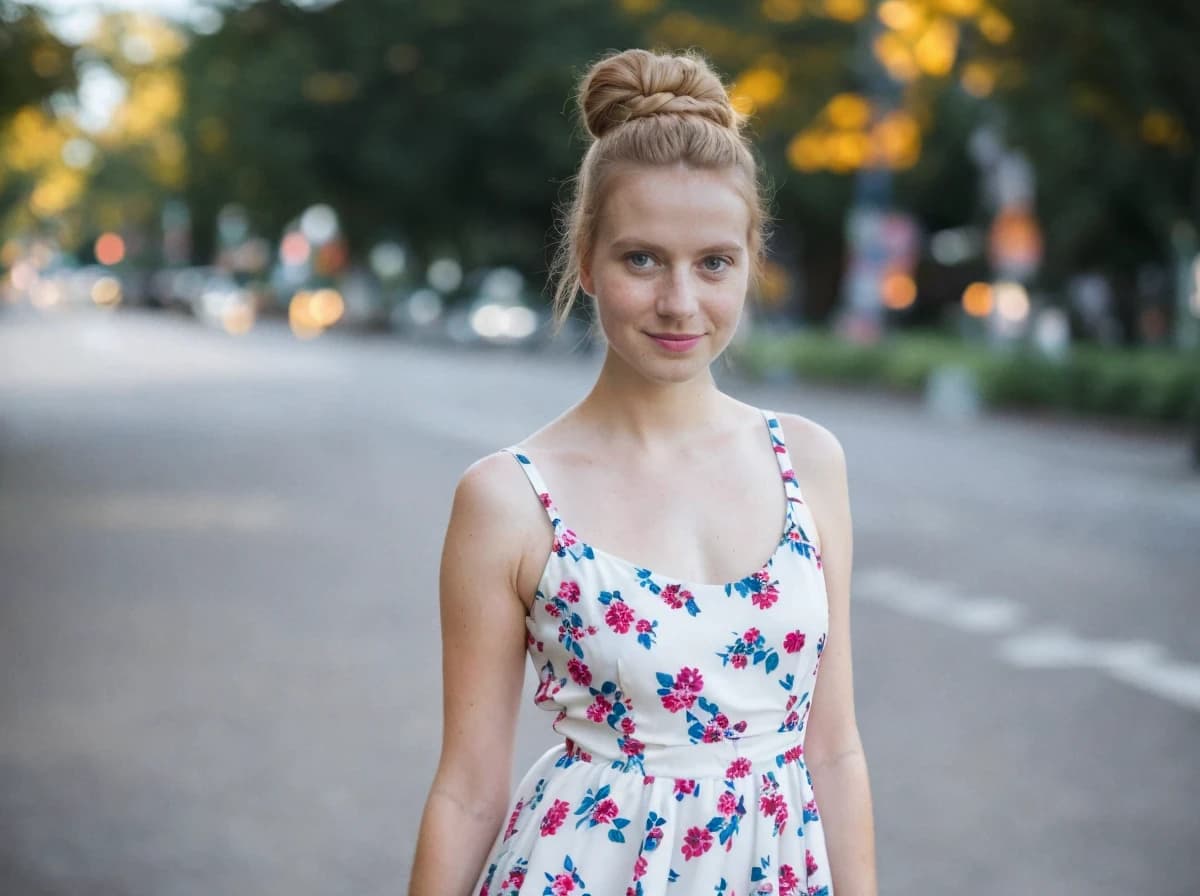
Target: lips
{"type": "Point", "coordinates": [676, 342]}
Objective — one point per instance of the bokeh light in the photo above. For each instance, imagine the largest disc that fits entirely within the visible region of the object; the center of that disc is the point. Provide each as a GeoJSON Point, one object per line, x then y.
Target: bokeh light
{"type": "Point", "coordinates": [977, 300]}
{"type": "Point", "coordinates": [110, 249]}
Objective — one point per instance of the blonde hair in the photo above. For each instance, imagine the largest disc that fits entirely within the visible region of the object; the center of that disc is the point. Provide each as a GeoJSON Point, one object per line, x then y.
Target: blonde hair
{"type": "Point", "coordinates": [652, 109]}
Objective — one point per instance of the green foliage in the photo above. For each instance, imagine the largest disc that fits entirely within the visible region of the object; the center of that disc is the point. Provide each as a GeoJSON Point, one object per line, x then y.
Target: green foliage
{"type": "Point", "coordinates": [33, 62]}
{"type": "Point", "coordinates": [447, 122]}
{"type": "Point", "coordinates": [1145, 384]}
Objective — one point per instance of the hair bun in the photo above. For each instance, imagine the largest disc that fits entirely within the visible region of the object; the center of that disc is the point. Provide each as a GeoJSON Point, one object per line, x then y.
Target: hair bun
{"type": "Point", "coordinates": [637, 84]}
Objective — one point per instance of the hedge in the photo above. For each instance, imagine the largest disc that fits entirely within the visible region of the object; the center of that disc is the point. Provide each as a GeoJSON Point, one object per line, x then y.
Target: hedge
{"type": "Point", "coordinates": [1147, 384]}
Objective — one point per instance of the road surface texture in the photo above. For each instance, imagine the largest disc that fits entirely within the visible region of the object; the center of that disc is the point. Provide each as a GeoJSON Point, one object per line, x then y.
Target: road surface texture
{"type": "Point", "coordinates": [219, 647]}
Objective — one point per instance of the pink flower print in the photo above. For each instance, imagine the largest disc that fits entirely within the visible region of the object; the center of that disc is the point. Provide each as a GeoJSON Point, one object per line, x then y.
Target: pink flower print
{"type": "Point", "coordinates": [766, 598]}
{"type": "Point", "coordinates": [573, 749]}
{"type": "Point", "coordinates": [639, 867]}
{"type": "Point", "coordinates": [680, 692]}
{"type": "Point", "coordinates": [512, 819]}
{"type": "Point", "coordinates": [579, 672]}
{"type": "Point", "coordinates": [739, 768]}
{"type": "Point", "coordinates": [770, 803]}
{"type": "Point", "coordinates": [674, 702]}
{"type": "Point", "coordinates": [548, 685]}
{"type": "Point", "coordinates": [569, 591]}
{"type": "Point", "coordinates": [674, 596]}
{"type": "Point", "coordinates": [645, 625]}
{"type": "Point", "coordinates": [696, 843]}
{"type": "Point", "coordinates": [554, 817]}
{"type": "Point", "coordinates": [792, 754]}
{"type": "Point", "coordinates": [727, 803]}
{"type": "Point", "coordinates": [787, 880]}
{"type": "Point", "coordinates": [793, 642]}
{"type": "Point", "coordinates": [789, 475]}
{"type": "Point", "coordinates": [810, 863]}
{"type": "Point", "coordinates": [779, 449]}
{"type": "Point", "coordinates": [515, 880]}
{"type": "Point", "coordinates": [599, 709]}
{"type": "Point", "coordinates": [552, 610]}
{"type": "Point", "coordinates": [627, 725]}
{"type": "Point", "coordinates": [631, 746]}
{"type": "Point", "coordinates": [564, 541]}
{"type": "Point", "coordinates": [619, 617]}
{"type": "Point", "coordinates": [545, 497]}
{"type": "Point", "coordinates": [563, 885]}
{"type": "Point", "coordinates": [751, 635]}
{"type": "Point", "coordinates": [739, 660]}
{"type": "Point", "coordinates": [689, 678]}
{"type": "Point", "coordinates": [763, 575]}
{"type": "Point", "coordinates": [684, 786]}
{"type": "Point", "coordinates": [654, 837]}
{"type": "Point", "coordinates": [721, 720]}
{"type": "Point", "coordinates": [604, 811]}
{"type": "Point", "coordinates": [713, 734]}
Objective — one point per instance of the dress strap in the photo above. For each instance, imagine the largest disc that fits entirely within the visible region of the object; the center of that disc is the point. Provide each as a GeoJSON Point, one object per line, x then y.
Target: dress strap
{"type": "Point", "coordinates": [539, 485]}
{"type": "Point", "coordinates": [790, 484]}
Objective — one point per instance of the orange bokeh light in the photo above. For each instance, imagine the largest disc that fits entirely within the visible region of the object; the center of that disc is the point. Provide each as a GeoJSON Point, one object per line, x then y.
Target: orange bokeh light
{"type": "Point", "coordinates": [899, 290]}
{"type": "Point", "coordinates": [977, 299]}
{"type": "Point", "coordinates": [110, 249]}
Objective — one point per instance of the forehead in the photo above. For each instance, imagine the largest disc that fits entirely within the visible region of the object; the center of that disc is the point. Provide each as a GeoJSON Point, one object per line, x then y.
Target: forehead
{"type": "Point", "coordinates": [674, 207]}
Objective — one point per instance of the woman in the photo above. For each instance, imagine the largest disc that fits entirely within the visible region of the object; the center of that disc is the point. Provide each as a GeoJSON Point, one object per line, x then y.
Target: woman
{"type": "Point", "coordinates": [691, 762]}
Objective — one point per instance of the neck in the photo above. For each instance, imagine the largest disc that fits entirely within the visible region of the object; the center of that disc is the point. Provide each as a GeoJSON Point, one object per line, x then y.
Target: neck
{"type": "Point", "coordinates": [643, 414]}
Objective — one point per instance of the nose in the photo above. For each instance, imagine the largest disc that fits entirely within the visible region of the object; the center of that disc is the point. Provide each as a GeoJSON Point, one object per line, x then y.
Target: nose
{"type": "Point", "coordinates": [678, 294]}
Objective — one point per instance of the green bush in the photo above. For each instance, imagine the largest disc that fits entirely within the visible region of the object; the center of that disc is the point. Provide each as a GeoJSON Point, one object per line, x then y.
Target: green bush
{"type": "Point", "coordinates": [1144, 384]}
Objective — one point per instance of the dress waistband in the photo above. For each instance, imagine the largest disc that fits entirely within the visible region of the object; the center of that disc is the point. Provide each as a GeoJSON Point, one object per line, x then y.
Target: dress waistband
{"type": "Point", "coordinates": [732, 758]}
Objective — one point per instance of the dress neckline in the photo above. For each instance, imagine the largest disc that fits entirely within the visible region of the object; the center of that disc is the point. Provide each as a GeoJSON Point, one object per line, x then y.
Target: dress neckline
{"type": "Point", "coordinates": [566, 538]}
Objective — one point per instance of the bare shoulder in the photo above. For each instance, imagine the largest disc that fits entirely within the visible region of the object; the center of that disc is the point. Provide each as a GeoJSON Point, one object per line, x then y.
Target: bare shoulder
{"type": "Point", "coordinates": [813, 447]}
{"type": "Point", "coordinates": [495, 493]}
{"type": "Point", "coordinates": [497, 516]}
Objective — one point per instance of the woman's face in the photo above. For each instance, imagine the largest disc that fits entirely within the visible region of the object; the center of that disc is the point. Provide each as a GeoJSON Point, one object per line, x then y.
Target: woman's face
{"type": "Point", "coordinates": [669, 268]}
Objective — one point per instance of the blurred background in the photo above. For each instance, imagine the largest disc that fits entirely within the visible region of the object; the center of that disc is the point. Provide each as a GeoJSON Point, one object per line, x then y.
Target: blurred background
{"type": "Point", "coordinates": [273, 274]}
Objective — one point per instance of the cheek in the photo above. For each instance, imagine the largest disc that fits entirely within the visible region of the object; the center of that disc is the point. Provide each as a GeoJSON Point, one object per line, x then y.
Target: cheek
{"type": "Point", "coordinates": [728, 304]}
{"type": "Point", "coordinates": [620, 298]}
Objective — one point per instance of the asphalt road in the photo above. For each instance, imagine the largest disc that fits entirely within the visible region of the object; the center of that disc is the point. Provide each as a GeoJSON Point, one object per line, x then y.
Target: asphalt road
{"type": "Point", "coordinates": [219, 650]}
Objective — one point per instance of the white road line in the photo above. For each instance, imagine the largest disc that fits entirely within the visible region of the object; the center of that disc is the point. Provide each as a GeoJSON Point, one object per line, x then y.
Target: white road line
{"type": "Point", "coordinates": [1137, 663]}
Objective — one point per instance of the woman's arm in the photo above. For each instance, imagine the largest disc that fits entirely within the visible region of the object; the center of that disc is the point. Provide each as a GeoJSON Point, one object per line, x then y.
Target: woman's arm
{"type": "Point", "coordinates": [483, 656]}
{"type": "Point", "coordinates": [832, 747]}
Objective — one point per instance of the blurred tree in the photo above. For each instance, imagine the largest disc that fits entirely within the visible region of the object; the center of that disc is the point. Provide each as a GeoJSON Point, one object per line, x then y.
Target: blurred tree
{"type": "Point", "coordinates": [448, 121]}
{"type": "Point", "coordinates": [445, 122]}
{"type": "Point", "coordinates": [139, 158]}
{"type": "Point", "coordinates": [33, 62]}
{"type": "Point", "coordinates": [34, 66]}
{"type": "Point", "coordinates": [1102, 95]}
{"type": "Point", "coordinates": [1105, 97]}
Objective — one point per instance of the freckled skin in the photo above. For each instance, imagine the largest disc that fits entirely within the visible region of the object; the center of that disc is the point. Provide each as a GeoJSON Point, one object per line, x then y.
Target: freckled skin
{"type": "Point", "coordinates": [671, 257]}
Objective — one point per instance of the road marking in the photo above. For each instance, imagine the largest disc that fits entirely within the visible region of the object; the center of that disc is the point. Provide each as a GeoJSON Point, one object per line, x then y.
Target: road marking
{"type": "Point", "coordinates": [1141, 664]}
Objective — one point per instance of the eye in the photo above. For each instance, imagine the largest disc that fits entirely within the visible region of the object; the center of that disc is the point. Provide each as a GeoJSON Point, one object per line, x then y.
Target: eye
{"type": "Point", "coordinates": [636, 255]}
{"type": "Point", "coordinates": [725, 262]}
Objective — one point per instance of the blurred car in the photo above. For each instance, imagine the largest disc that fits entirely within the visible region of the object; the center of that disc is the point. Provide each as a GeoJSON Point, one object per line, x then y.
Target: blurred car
{"type": "Point", "coordinates": [222, 301]}
{"type": "Point", "coordinates": [497, 313]}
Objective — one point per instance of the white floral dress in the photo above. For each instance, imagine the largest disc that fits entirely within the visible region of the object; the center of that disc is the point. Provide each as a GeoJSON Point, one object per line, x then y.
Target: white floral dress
{"type": "Point", "coordinates": [682, 708]}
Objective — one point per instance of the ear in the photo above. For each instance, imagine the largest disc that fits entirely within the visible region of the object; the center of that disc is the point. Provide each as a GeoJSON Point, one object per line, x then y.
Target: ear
{"type": "Point", "coordinates": [585, 277]}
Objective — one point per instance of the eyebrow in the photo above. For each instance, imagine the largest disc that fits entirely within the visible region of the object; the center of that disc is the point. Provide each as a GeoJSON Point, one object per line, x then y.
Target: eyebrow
{"type": "Point", "coordinates": [634, 243]}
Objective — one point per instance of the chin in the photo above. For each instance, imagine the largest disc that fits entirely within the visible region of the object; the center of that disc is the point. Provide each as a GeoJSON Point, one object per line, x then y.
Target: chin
{"type": "Point", "coordinates": [661, 369]}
